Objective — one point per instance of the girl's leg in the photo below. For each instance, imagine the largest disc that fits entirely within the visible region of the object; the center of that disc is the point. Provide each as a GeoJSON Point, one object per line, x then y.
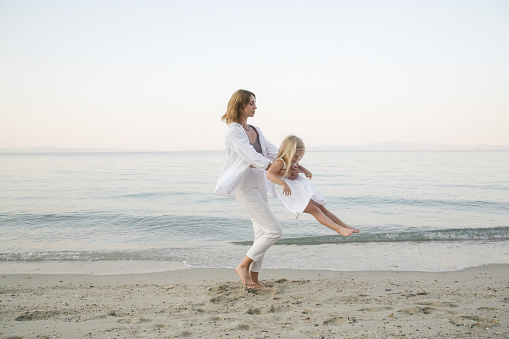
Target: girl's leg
{"type": "Point", "coordinates": [332, 217]}
{"type": "Point", "coordinates": [324, 220]}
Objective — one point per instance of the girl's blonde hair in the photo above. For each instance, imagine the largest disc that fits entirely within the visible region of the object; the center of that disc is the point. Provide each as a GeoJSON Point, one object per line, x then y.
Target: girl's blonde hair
{"type": "Point", "coordinates": [237, 102]}
{"type": "Point", "coordinates": [289, 146]}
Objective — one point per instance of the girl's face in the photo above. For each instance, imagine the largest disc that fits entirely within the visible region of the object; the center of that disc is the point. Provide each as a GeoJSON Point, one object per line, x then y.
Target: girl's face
{"type": "Point", "coordinates": [249, 110]}
{"type": "Point", "coordinates": [296, 157]}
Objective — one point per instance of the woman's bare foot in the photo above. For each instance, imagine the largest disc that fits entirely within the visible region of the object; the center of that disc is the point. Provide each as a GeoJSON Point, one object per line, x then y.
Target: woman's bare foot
{"type": "Point", "coordinates": [244, 276]}
{"type": "Point", "coordinates": [256, 282]}
{"type": "Point", "coordinates": [346, 232]}
{"type": "Point", "coordinates": [259, 286]}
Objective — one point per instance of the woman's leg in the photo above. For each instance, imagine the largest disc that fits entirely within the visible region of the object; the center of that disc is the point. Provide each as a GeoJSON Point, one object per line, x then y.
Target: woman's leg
{"type": "Point", "coordinates": [243, 271]}
{"type": "Point", "coordinates": [252, 196]}
{"type": "Point", "coordinates": [332, 217]}
{"type": "Point", "coordinates": [256, 282]}
{"type": "Point", "coordinates": [323, 219]}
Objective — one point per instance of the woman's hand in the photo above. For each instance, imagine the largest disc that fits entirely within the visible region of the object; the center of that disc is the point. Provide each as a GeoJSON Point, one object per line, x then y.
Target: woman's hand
{"type": "Point", "coordinates": [292, 175]}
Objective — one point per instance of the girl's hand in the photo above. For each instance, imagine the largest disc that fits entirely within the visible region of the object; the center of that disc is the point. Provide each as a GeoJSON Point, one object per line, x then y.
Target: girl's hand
{"type": "Point", "coordinates": [286, 189]}
{"type": "Point", "coordinates": [308, 174]}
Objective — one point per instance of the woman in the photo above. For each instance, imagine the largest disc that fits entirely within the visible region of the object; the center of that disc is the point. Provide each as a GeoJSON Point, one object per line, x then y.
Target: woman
{"type": "Point", "coordinates": [243, 177]}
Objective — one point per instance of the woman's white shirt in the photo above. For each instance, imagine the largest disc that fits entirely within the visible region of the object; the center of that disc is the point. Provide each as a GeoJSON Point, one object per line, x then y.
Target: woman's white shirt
{"type": "Point", "coordinates": [240, 156]}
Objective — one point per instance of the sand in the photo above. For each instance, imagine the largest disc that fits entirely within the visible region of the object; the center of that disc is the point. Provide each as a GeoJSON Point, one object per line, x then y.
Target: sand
{"type": "Point", "coordinates": [212, 303]}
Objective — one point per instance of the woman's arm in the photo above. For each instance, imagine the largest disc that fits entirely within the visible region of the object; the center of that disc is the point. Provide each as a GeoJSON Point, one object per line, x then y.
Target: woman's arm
{"type": "Point", "coordinates": [272, 175]}
{"type": "Point", "coordinates": [239, 143]}
{"type": "Point", "coordinates": [272, 151]}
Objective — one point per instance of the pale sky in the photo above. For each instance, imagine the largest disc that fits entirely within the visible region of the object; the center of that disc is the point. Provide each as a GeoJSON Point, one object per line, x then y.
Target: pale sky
{"type": "Point", "coordinates": [159, 74]}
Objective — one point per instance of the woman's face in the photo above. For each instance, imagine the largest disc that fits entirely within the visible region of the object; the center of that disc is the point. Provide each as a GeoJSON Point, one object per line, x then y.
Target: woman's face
{"type": "Point", "coordinates": [249, 110]}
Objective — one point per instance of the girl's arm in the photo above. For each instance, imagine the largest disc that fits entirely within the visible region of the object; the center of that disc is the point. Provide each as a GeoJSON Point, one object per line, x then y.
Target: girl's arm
{"type": "Point", "coordinates": [307, 173]}
{"type": "Point", "coordinates": [272, 175]}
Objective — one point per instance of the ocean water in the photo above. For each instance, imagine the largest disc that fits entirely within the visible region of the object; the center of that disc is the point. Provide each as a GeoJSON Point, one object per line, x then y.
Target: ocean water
{"type": "Point", "coordinates": [139, 212]}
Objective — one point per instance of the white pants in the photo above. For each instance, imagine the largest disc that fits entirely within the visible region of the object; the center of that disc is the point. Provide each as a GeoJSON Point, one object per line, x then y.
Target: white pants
{"type": "Point", "coordinates": [251, 194]}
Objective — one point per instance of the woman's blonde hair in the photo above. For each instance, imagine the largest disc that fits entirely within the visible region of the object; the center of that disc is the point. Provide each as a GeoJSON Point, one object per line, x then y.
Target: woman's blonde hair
{"type": "Point", "coordinates": [289, 146]}
{"type": "Point", "coordinates": [237, 102]}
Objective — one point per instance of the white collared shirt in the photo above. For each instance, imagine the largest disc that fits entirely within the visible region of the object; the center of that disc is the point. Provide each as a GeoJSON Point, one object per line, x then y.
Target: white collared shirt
{"type": "Point", "coordinates": [241, 155]}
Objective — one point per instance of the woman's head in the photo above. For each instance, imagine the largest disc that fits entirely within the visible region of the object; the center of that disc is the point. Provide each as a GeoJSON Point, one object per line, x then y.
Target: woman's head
{"type": "Point", "coordinates": [292, 149]}
{"type": "Point", "coordinates": [236, 105]}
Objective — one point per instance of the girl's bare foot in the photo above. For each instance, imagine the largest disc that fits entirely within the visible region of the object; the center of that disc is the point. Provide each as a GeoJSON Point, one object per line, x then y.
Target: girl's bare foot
{"type": "Point", "coordinates": [342, 224]}
{"type": "Point", "coordinates": [244, 276]}
{"type": "Point", "coordinates": [355, 230]}
{"type": "Point", "coordinates": [346, 232]}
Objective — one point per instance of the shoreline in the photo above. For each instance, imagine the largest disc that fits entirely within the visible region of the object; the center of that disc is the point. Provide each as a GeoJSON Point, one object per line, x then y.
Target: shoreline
{"type": "Point", "coordinates": [139, 267]}
{"type": "Point", "coordinates": [96, 267]}
{"type": "Point", "coordinates": [212, 303]}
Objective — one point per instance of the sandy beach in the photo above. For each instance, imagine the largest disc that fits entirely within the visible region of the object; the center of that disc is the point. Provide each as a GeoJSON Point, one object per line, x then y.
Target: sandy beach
{"type": "Point", "coordinates": [212, 303]}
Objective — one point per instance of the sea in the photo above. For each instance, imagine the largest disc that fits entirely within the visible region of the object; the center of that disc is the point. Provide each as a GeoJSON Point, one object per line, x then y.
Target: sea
{"type": "Point", "coordinates": [116, 213]}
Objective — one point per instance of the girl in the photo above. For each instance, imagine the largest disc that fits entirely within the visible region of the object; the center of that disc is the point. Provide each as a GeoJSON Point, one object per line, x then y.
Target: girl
{"type": "Point", "coordinates": [299, 195]}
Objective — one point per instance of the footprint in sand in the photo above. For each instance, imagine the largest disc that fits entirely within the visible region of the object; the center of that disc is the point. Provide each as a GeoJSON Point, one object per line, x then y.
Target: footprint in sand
{"type": "Point", "coordinates": [427, 309]}
{"type": "Point", "coordinates": [184, 334]}
{"type": "Point", "coordinates": [243, 327]}
{"type": "Point", "coordinates": [124, 321]}
{"type": "Point", "coordinates": [335, 321]}
{"type": "Point", "coordinates": [198, 307]}
{"type": "Point", "coordinates": [488, 308]}
{"type": "Point", "coordinates": [222, 288]}
{"type": "Point", "coordinates": [265, 310]}
{"type": "Point", "coordinates": [418, 310]}
{"type": "Point", "coordinates": [258, 291]}
{"type": "Point", "coordinates": [255, 311]}
{"type": "Point", "coordinates": [160, 326]}
{"type": "Point", "coordinates": [142, 321]}
{"type": "Point", "coordinates": [474, 321]}
{"type": "Point", "coordinates": [96, 317]}
{"type": "Point", "coordinates": [281, 281]}
{"type": "Point", "coordinates": [436, 303]}
{"type": "Point", "coordinates": [376, 309]}
{"type": "Point", "coordinates": [224, 299]}
{"type": "Point", "coordinates": [37, 315]}
{"type": "Point", "coordinates": [226, 293]}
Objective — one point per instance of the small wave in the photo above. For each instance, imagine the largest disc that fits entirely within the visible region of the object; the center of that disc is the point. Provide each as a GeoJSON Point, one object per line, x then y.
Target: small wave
{"type": "Point", "coordinates": [172, 254]}
{"type": "Point", "coordinates": [463, 234]}
{"type": "Point", "coordinates": [501, 207]}
{"type": "Point", "coordinates": [494, 187]}
{"type": "Point", "coordinates": [97, 226]}
{"type": "Point", "coordinates": [149, 195]}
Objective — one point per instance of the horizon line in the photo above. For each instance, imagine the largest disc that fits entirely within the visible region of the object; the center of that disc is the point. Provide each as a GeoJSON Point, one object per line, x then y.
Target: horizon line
{"type": "Point", "coordinates": [379, 146]}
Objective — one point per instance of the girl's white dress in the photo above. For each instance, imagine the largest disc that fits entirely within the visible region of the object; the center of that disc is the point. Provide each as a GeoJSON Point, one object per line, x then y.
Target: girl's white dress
{"type": "Point", "coordinates": [302, 193]}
